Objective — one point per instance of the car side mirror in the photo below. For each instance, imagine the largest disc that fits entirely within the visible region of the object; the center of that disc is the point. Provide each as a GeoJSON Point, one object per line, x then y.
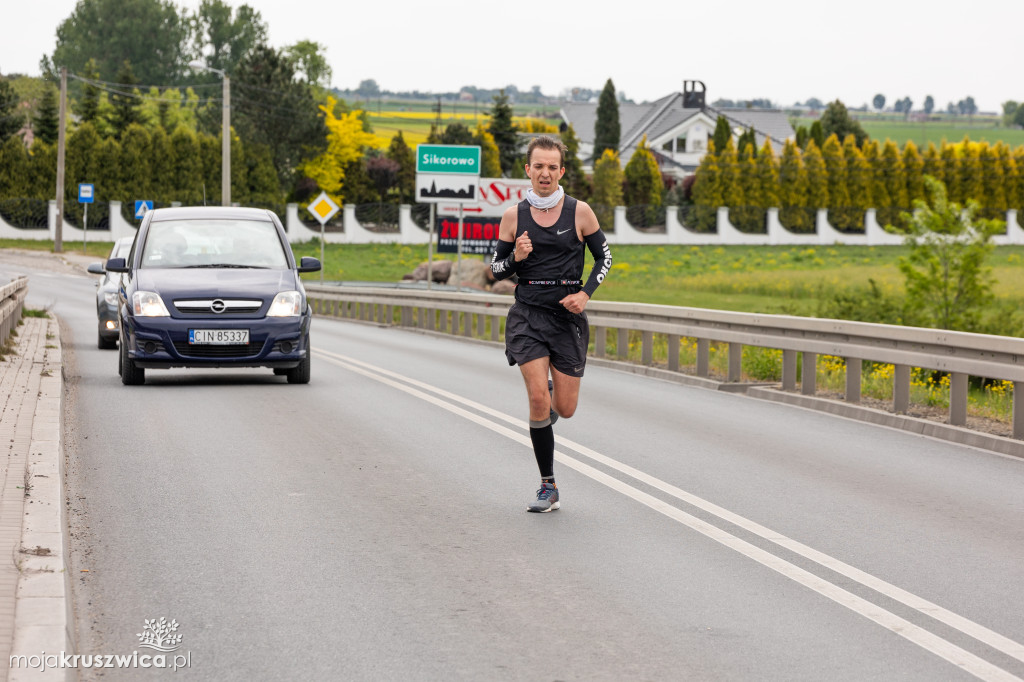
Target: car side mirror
{"type": "Point", "coordinates": [117, 265]}
{"type": "Point", "coordinates": [308, 264]}
{"type": "Point", "coordinates": [96, 269]}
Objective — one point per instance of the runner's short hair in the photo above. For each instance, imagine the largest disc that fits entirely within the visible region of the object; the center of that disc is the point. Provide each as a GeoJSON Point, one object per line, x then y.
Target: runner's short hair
{"type": "Point", "coordinates": [546, 142]}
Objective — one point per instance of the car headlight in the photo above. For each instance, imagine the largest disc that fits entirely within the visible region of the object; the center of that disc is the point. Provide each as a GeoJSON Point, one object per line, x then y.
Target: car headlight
{"type": "Point", "coordinates": [286, 304]}
{"type": "Point", "coordinates": [148, 304]}
{"type": "Point", "coordinates": [110, 297]}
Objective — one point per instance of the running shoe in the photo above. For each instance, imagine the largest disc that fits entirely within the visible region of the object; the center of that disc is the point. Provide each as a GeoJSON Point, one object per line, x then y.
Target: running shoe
{"type": "Point", "coordinates": [547, 499]}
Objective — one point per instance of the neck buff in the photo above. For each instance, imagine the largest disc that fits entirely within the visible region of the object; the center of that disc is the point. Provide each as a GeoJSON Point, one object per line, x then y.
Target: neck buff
{"type": "Point", "coordinates": [544, 203]}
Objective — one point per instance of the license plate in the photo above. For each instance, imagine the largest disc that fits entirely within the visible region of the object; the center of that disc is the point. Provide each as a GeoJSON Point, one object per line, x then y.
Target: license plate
{"type": "Point", "coordinates": [218, 337]}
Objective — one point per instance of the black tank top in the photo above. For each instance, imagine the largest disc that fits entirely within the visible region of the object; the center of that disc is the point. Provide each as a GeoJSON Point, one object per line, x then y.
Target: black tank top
{"type": "Point", "coordinates": [557, 255]}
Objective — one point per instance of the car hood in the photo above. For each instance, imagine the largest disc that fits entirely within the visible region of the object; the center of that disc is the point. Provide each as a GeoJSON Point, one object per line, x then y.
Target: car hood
{"type": "Point", "coordinates": [175, 283]}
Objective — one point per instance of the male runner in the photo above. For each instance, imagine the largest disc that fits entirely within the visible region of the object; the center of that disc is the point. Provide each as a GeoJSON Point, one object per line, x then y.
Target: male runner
{"type": "Point", "coordinates": [541, 240]}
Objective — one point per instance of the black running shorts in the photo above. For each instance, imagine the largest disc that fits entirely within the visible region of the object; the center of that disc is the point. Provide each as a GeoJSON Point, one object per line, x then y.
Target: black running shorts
{"type": "Point", "coordinates": [532, 332]}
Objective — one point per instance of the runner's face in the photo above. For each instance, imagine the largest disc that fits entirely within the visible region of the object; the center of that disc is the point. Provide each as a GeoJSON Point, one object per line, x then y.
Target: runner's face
{"type": "Point", "coordinates": [545, 170]}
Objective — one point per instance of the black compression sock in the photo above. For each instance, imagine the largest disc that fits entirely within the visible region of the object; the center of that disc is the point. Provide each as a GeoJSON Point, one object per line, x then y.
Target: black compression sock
{"type": "Point", "coordinates": [544, 449]}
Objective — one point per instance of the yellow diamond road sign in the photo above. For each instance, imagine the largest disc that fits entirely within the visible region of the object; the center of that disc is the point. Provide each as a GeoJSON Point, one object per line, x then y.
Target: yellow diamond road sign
{"type": "Point", "coordinates": [323, 208]}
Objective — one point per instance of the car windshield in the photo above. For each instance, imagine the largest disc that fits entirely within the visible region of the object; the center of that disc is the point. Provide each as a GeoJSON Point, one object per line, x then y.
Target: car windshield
{"type": "Point", "coordinates": [213, 244]}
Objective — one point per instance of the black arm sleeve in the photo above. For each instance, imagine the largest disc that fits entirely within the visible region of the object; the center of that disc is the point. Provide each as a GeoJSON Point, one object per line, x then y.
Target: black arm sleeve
{"type": "Point", "coordinates": [504, 263]}
{"type": "Point", "coordinates": [598, 245]}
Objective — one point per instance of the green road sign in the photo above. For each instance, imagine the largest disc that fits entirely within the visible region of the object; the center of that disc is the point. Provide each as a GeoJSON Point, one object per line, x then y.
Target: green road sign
{"type": "Point", "coordinates": [448, 158]}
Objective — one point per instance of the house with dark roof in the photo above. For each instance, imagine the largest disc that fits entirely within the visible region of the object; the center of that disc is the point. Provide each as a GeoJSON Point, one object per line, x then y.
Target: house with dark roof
{"type": "Point", "coordinates": [677, 126]}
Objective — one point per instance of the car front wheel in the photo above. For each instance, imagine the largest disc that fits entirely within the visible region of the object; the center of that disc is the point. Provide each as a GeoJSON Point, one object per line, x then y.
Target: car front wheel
{"type": "Point", "coordinates": [301, 373]}
{"type": "Point", "coordinates": [130, 374]}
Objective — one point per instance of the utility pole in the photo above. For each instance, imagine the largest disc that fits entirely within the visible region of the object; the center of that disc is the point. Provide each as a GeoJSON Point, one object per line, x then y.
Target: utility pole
{"type": "Point", "coordinates": [58, 245]}
{"type": "Point", "coordinates": [225, 145]}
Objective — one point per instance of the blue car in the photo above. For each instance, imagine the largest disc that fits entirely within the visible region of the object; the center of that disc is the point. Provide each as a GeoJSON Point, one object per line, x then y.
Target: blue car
{"type": "Point", "coordinates": [212, 287]}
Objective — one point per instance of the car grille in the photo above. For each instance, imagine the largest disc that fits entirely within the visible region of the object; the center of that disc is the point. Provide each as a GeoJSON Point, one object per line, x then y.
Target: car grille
{"type": "Point", "coordinates": [241, 350]}
{"type": "Point", "coordinates": [228, 306]}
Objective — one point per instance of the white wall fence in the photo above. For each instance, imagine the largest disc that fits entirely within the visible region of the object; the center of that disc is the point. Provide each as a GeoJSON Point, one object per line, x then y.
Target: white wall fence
{"type": "Point", "coordinates": [409, 232]}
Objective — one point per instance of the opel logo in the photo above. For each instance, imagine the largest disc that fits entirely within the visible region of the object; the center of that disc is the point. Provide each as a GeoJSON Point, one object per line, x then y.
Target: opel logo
{"type": "Point", "coordinates": [218, 306]}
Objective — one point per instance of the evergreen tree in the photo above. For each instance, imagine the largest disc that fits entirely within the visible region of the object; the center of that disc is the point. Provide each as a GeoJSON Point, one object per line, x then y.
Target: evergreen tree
{"type": "Point", "coordinates": [722, 134]}
{"type": "Point", "coordinates": [913, 167]}
{"type": "Point", "coordinates": [731, 186]}
{"type": "Point", "coordinates": [971, 184]}
{"type": "Point", "coordinates": [767, 177]}
{"type": "Point", "coordinates": [746, 144]}
{"type": "Point", "coordinates": [950, 175]}
{"type": "Point", "coordinates": [186, 163]}
{"type": "Point", "coordinates": [402, 154]}
{"type": "Point", "coordinates": [42, 170]}
{"type": "Point", "coordinates": [793, 190]}
{"type": "Point", "coordinates": [839, 213]}
{"type": "Point", "coordinates": [607, 130]}
{"type": "Point", "coordinates": [490, 157]}
{"type": "Point", "coordinates": [993, 193]}
{"type": "Point", "coordinates": [608, 179]}
{"type": "Point", "coordinates": [1017, 192]}
{"type": "Point", "coordinates": [14, 169]}
{"type": "Point", "coordinates": [707, 192]}
{"type": "Point", "coordinates": [893, 185]}
{"type": "Point", "coordinates": [643, 178]}
{"type": "Point", "coordinates": [931, 164]}
{"type": "Point", "coordinates": [161, 180]}
{"type": "Point", "coordinates": [241, 158]}
{"type": "Point", "coordinates": [836, 120]}
{"type": "Point", "coordinates": [574, 181]}
{"type": "Point", "coordinates": [503, 130]}
{"type": "Point", "coordinates": [89, 105]}
{"type": "Point", "coordinates": [817, 179]}
{"type": "Point", "coordinates": [80, 165]}
{"type": "Point", "coordinates": [818, 134]}
{"type": "Point", "coordinates": [11, 120]}
{"type": "Point", "coordinates": [46, 122]}
{"type": "Point", "coordinates": [858, 173]}
{"type": "Point", "coordinates": [457, 133]}
{"type": "Point", "coordinates": [136, 163]}
{"type": "Point", "coordinates": [211, 161]}
{"type": "Point", "coordinates": [261, 178]}
{"type": "Point", "coordinates": [876, 189]}
{"type": "Point", "coordinates": [755, 204]}
{"type": "Point", "coordinates": [802, 135]}
{"type": "Point", "coordinates": [126, 104]}
{"type": "Point", "coordinates": [1011, 174]}
{"type": "Point", "coordinates": [109, 180]}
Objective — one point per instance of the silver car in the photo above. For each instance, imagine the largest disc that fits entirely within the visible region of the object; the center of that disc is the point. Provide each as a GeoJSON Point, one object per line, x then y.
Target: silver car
{"type": "Point", "coordinates": [106, 295]}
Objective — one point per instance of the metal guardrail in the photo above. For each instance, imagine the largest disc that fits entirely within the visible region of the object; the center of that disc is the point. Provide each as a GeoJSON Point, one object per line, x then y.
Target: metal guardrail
{"type": "Point", "coordinates": [960, 354]}
{"type": "Point", "coordinates": [12, 297]}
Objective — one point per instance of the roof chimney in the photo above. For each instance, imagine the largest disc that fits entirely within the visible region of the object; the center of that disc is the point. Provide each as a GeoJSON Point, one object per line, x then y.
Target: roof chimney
{"type": "Point", "coordinates": [692, 97]}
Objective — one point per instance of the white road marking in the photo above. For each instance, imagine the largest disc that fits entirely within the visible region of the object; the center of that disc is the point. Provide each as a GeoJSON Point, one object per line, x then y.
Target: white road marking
{"type": "Point", "coordinates": [927, 640]}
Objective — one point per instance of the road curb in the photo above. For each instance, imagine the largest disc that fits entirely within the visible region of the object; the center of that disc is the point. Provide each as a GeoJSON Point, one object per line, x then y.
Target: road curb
{"type": "Point", "coordinates": [923, 427]}
{"type": "Point", "coordinates": [43, 619]}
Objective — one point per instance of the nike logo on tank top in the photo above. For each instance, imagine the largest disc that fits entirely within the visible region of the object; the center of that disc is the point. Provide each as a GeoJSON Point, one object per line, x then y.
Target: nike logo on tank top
{"type": "Point", "coordinates": [557, 256]}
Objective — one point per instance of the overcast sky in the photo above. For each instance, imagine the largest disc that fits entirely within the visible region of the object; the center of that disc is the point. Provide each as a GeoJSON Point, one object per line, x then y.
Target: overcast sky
{"type": "Point", "coordinates": [786, 51]}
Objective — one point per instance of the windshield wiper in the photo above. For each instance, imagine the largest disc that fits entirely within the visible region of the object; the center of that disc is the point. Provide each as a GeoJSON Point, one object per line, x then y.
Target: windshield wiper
{"type": "Point", "coordinates": [227, 265]}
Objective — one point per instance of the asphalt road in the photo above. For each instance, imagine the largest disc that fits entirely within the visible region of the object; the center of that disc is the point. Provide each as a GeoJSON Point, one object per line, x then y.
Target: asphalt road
{"type": "Point", "coordinates": [372, 525]}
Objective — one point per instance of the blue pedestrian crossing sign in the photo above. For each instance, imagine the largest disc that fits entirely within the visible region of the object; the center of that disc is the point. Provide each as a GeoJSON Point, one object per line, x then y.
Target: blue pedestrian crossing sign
{"type": "Point", "coordinates": [141, 206]}
{"type": "Point", "coordinates": [86, 192]}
